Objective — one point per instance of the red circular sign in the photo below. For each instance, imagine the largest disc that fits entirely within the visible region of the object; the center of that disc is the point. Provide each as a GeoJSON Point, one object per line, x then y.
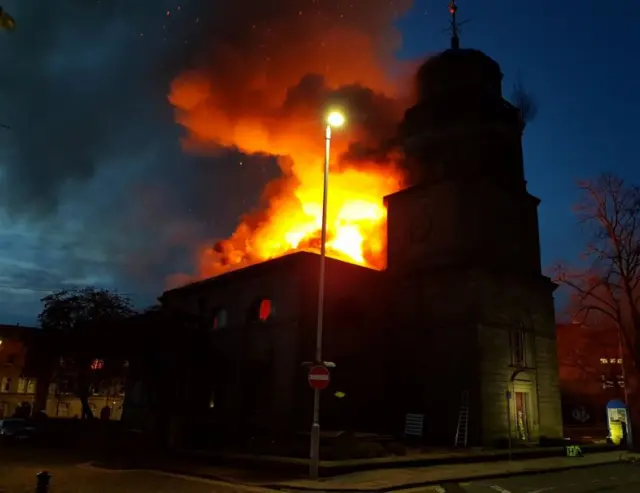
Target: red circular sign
{"type": "Point", "coordinates": [319, 377]}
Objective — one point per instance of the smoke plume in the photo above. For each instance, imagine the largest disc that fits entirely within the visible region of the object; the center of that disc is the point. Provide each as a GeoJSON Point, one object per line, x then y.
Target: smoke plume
{"type": "Point", "coordinates": [268, 74]}
{"type": "Point", "coordinates": [92, 92]}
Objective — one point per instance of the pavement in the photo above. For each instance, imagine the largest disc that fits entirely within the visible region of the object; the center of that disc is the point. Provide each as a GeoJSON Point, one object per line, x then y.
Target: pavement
{"type": "Point", "coordinates": [614, 478]}
{"type": "Point", "coordinates": [598, 472]}
{"type": "Point", "coordinates": [70, 475]}
{"type": "Point", "coordinates": [384, 480]}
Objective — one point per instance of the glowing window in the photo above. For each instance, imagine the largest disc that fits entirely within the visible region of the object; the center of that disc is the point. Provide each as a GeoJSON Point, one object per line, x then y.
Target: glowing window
{"type": "Point", "coordinates": [220, 319]}
{"type": "Point", "coordinates": [261, 310]}
{"type": "Point", "coordinates": [264, 310]}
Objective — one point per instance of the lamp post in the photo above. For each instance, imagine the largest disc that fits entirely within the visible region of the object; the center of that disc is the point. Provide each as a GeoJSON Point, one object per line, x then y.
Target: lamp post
{"type": "Point", "coordinates": [334, 119]}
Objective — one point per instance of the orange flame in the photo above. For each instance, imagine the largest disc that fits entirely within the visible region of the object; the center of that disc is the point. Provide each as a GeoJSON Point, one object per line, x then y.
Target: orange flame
{"type": "Point", "coordinates": [268, 106]}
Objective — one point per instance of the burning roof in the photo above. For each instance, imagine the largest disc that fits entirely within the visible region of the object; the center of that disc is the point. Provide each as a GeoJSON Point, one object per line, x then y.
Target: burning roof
{"type": "Point", "coordinates": [303, 261]}
{"type": "Point", "coordinates": [263, 87]}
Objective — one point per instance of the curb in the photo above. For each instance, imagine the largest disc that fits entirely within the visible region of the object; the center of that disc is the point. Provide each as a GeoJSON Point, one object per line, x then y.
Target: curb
{"type": "Point", "coordinates": [333, 468]}
{"type": "Point", "coordinates": [399, 488]}
{"type": "Point", "coordinates": [419, 484]}
{"type": "Point", "coordinates": [403, 487]}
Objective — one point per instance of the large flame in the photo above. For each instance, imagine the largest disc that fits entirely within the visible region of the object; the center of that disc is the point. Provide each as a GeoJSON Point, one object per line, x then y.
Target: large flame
{"type": "Point", "coordinates": [272, 105]}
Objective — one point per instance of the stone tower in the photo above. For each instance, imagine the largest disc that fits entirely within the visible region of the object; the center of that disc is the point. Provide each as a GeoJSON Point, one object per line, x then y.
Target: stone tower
{"type": "Point", "coordinates": [476, 312]}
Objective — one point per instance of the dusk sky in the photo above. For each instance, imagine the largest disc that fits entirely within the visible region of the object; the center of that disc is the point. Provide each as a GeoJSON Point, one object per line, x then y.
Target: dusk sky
{"type": "Point", "coordinates": [95, 188]}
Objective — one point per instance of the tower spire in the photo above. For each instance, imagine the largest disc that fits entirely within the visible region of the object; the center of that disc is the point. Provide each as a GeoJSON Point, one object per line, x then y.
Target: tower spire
{"type": "Point", "coordinates": [455, 40]}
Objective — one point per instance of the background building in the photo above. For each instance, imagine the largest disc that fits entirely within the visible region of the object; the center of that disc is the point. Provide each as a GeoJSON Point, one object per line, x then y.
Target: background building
{"type": "Point", "coordinates": [591, 372]}
{"type": "Point", "coordinates": [18, 386]}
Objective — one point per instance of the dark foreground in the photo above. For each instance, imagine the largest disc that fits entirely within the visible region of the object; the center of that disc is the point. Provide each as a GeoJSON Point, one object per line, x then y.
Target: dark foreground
{"type": "Point", "coordinates": [618, 478]}
{"type": "Point", "coordinates": [73, 474]}
{"type": "Point", "coordinates": [70, 474]}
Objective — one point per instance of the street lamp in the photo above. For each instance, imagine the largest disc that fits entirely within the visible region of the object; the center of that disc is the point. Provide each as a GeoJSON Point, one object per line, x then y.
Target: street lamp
{"type": "Point", "coordinates": [335, 119]}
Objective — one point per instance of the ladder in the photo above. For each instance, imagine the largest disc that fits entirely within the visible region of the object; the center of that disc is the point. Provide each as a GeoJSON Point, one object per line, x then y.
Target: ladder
{"type": "Point", "coordinates": [462, 431]}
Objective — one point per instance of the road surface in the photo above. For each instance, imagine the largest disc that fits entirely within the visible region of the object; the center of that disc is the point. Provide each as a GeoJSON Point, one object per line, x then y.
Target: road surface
{"type": "Point", "coordinates": [615, 478]}
{"type": "Point", "coordinates": [72, 475]}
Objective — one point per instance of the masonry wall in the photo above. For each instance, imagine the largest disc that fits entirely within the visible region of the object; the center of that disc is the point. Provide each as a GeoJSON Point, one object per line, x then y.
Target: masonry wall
{"type": "Point", "coordinates": [260, 364]}
{"type": "Point", "coordinates": [549, 389]}
{"type": "Point", "coordinates": [514, 304]}
{"type": "Point", "coordinates": [254, 360]}
{"type": "Point", "coordinates": [495, 371]}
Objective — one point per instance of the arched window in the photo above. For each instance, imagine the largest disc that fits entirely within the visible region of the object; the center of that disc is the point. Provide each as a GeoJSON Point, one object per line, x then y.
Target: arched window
{"type": "Point", "coordinates": [261, 310]}
{"type": "Point", "coordinates": [220, 319]}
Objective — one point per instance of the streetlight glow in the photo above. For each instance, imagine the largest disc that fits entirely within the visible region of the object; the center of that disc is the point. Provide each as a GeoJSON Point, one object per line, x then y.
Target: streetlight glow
{"type": "Point", "coordinates": [335, 119]}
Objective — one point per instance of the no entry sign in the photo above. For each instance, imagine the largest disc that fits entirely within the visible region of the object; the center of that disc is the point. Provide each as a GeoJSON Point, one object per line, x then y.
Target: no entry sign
{"type": "Point", "coordinates": [319, 377]}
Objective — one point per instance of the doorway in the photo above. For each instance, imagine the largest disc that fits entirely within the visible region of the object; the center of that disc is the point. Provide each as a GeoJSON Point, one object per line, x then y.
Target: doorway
{"type": "Point", "coordinates": [522, 416]}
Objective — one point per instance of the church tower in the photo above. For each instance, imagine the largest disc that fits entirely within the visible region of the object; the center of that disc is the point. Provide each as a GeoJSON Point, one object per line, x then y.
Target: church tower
{"type": "Point", "coordinates": [464, 258]}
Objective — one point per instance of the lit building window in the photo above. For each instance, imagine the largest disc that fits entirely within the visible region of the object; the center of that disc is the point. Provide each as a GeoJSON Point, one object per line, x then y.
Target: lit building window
{"type": "Point", "coordinates": [220, 320]}
{"type": "Point", "coordinates": [612, 361]}
{"type": "Point", "coordinates": [5, 384]}
{"type": "Point", "coordinates": [261, 311]}
{"type": "Point", "coordinates": [26, 386]}
{"type": "Point", "coordinates": [264, 310]}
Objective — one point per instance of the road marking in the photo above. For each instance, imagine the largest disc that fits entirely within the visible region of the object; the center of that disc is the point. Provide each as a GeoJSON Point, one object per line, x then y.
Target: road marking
{"type": "Point", "coordinates": [439, 489]}
{"type": "Point", "coordinates": [543, 489]}
{"type": "Point", "coordinates": [499, 489]}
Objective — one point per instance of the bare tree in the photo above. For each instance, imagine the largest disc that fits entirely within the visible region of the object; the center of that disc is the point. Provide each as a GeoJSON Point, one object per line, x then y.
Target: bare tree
{"type": "Point", "coordinates": [524, 100]}
{"type": "Point", "coordinates": [609, 286]}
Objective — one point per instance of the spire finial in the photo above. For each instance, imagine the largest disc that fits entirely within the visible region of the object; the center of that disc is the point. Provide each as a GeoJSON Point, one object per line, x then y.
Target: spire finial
{"type": "Point", "coordinates": [455, 40]}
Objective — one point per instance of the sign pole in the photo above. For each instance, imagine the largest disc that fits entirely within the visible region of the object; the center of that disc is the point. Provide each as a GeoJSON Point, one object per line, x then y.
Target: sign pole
{"type": "Point", "coordinates": [319, 378]}
{"type": "Point", "coordinates": [508, 400]}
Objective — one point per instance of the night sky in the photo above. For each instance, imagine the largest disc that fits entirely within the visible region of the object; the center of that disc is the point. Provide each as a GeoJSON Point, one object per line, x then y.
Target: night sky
{"type": "Point", "coordinates": [95, 188]}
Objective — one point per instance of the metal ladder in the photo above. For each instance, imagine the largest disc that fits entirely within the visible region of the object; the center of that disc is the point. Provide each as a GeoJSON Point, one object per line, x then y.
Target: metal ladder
{"type": "Point", "coordinates": [463, 421]}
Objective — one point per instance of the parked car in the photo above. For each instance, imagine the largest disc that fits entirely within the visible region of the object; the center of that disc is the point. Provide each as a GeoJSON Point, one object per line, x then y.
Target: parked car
{"type": "Point", "coordinates": [15, 429]}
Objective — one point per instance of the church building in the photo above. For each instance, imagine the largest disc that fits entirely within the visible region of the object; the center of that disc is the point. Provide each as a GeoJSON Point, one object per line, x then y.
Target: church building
{"type": "Point", "coordinates": [461, 319]}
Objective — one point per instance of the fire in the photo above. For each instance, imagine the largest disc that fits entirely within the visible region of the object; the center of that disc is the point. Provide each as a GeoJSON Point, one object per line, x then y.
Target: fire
{"type": "Point", "coordinates": [356, 216]}
{"type": "Point", "coordinates": [261, 96]}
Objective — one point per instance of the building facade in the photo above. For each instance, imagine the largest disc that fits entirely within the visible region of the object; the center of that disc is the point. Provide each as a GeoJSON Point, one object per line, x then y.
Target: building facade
{"type": "Point", "coordinates": [461, 316]}
{"type": "Point", "coordinates": [590, 359]}
{"type": "Point", "coordinates": [262, 321]}
{"type": "Point", "coordinates": [18, 388]}
{"type": "Point", "coordinates": [463, 244]}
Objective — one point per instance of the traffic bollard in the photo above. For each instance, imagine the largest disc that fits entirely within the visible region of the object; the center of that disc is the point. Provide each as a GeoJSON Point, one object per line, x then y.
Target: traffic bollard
{"type": "Point", "coordinates": [42, 482]}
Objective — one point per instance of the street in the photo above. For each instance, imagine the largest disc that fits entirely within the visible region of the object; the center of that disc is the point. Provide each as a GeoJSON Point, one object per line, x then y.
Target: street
{"type": "Point", "coordinates": [71, 475]}
{"type": "Point", "coordinates": [617, 478]}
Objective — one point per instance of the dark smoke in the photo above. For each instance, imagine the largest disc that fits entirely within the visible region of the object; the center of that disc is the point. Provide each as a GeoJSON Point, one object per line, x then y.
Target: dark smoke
{"type": "Point", "coordinates": [84, 88]}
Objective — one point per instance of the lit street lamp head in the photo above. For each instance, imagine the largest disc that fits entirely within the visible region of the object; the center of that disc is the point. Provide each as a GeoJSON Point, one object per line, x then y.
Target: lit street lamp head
{"type": "Point", "coordinates": [335, 119]}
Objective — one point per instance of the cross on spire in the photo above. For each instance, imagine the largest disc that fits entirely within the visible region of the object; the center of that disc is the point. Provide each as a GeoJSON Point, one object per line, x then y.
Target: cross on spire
{"type": "Point", "coordinates": [455, 40]}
